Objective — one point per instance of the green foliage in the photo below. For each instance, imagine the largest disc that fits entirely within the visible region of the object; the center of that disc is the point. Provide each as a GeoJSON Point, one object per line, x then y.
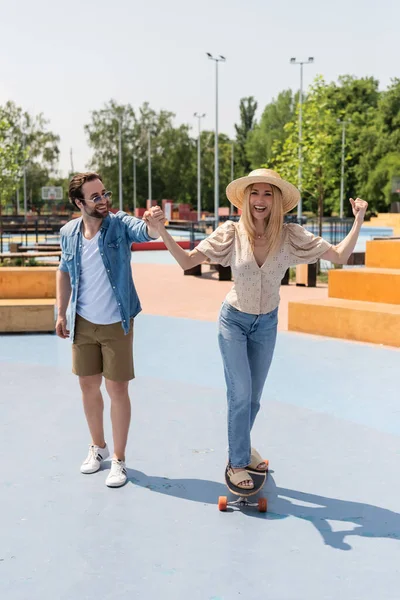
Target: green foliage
{"type": "Point", "coordinates": [248, 107]}
{"type": "Point", "coordinates": [10, 153]}
{"type": "Point", "coordinates": [173, 155]}
{"type": "Point", "coordinates": [319, 177]}
{"type": "Point", "coordinates": [379, 185]}
{"type": "Point", "coordinates": [372, 148]}
{"type": "Point", "coordinates": [271, 130]}
{"type": "Point", "coordinates": [35, 148]}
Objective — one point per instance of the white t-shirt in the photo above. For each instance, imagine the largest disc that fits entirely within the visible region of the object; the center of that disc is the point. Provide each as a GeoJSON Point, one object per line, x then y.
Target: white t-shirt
{"type": "Point", "coordinates": [96, 301]}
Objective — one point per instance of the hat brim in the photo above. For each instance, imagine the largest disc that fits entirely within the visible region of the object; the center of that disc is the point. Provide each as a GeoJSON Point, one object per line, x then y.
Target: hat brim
{"type": "Point", "coordinates": [290, 194]}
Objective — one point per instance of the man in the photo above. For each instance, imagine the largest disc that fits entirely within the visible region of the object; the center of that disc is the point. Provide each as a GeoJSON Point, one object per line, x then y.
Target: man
{"type": "Point", "coordinates": [95, 275]}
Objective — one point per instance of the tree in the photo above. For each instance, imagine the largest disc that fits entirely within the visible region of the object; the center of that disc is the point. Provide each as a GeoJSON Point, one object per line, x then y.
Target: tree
{"type": "Point", "coordinates": [354, 100]}
{"type": "Point", "coordinates": [38, 151]}
{"type": "Point", "coordinates": [352, 95]}
{"type": "Point", "coordinates": [103, 136]}
{"type": "Point", "coordinates": [171, 150]}
{"type": "Point", "coordinates": [325, 107]}
{"type": "Point", "coordinates": [10, 157]}
{"type": "Point", "coordinates": [389, 108]}
{"type": "Point", "coordinates": [208, 170]}
{"type": "Point", "coordinates": [248, 107]}
{"type": "Point", "coordinates": [270, 132]}
{"type": "Point", "coordinates": [319, 177]}
{"type": "Point", "coordinates": [173, 155]}
{"type": "Point", "coordinates": [9, 154]}
{"type": "Point", "coordinates": [379, 185]}
{"type": "Point", "coordinates": [377, 145]}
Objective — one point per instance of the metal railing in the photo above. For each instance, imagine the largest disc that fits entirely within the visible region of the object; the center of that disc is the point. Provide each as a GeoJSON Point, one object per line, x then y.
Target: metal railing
{"type": "Point", "coordinates": [16, 227]}
{"type": "Point", "coordinates": [333, 229]}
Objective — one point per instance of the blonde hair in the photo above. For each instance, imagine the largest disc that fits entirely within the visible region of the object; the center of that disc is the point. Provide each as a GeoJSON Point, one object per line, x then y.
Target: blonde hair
{"type": "Point", "coordinates": [273, 223]}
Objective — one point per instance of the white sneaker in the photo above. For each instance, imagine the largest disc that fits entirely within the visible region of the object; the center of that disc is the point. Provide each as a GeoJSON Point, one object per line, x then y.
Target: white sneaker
{"type": "Point", "coordinates": [94, 459]}
{"type": "Point", "coordinates": [117, 476]}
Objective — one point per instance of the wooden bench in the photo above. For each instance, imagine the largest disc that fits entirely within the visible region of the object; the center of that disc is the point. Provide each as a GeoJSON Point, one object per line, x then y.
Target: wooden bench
{"type": "Point", "coordinates": [28, 316]}
{"type": "Point", "coordinates": [27, 283]}
{"type": "Point", "coordinates": [27, 299]}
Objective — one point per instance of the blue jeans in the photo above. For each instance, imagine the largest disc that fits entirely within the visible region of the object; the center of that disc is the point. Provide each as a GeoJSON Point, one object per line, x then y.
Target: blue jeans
{"type": "Point", "coordinates": [247, 344]}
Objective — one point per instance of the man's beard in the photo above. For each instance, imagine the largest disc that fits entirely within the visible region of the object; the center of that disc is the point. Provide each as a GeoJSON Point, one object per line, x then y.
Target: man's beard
{"type": "Point", "coordinates": [96, 213]}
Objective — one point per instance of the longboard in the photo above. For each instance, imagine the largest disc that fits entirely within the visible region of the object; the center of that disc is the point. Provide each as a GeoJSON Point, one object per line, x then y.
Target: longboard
{"type": "Point", "coordinates": [259, 478]}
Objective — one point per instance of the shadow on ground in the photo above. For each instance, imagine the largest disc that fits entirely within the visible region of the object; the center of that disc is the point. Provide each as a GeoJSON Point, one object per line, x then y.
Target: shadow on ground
{"type": "Point", "coordinates": [364, 520]}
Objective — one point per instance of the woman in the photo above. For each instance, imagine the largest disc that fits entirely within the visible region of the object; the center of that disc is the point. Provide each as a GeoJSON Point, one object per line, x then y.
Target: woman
{"type": "Point", "coordinates": [259, 249]}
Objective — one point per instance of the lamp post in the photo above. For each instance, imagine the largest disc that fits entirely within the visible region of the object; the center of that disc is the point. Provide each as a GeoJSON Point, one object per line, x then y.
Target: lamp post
{"type": "Point", "coordinates": [217, 60]}
{"type": "Point", "coordinates": [149, 163]}
{"type": "Point", "coordinates": [134, 185]}
{"type": "Point", "coordinates": [71, 161]}
{"type": "Point", "coordinates": [25, 191]}
{"type": "Point", "coordinates": [293, 61]}
{"type": "Point", "coordinates": [199, 117]}
{"type": "Point", "coordinates": [232, 170]}
{"type": "Point", "coordinates": [120, 163]}
{"type": "Point", "coordinates": [343, 122]}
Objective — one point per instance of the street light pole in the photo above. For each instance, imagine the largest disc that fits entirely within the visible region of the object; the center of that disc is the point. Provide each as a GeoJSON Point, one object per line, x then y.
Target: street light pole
{"type": "Point", "coordinates": [217, 60]}
{"type": "Point", "coordinates": [120, 161]}
{"type": "Point", "coordinates": [24, 169]}
{"type": "Point", "coordinates": [232, 171]}
{"type": "Point", "coordinates": [232, 160]}
{"type": "Point", "coordinates": [293, 61]}
{"type": "Point", "coordinates": [343, 123]}
{"type": "Point", "coordinates": [199, 117]}
{"type": "Point", "coordinates": [72, 161]}
{"type": "Point", "coordinates": [25, 192]}
{"type": "Point", "coordinates": [134, 185]}
{"type": "Point", "coordinates": [149, 163]}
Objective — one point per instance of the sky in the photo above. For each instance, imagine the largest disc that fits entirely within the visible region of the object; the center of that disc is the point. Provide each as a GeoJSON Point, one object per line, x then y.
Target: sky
{"type": "Point", "coordinates": [66, 59]}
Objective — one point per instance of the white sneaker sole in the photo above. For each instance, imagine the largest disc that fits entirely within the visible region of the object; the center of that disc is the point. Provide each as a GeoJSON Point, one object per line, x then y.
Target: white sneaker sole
{"type": "Point", "coordinates": [91, 471]}
{"type": "Point", "coordinates": [116, 484]}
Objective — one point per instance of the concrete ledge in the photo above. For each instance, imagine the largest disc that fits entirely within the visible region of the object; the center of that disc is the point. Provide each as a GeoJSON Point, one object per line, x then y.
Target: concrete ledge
{"type": "Point", "coordinates": [384, 254]}
{"type": "Point", "coordinates": [369, 285]}
{"type": "Point", "coordinates": [27, 282]}
{"type": "Point", "coordinates": [347, 319]}
{"type": "Point", "coordinates": [18, 315]}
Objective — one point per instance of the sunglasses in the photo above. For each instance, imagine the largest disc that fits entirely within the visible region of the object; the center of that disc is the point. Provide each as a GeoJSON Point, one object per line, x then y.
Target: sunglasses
{"type": "Point", "coordinates": [107, 196]}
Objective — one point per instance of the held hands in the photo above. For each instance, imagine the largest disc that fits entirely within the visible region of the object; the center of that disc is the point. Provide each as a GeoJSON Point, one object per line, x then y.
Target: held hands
{"type": "Point", "coordinates": [359, 207]}
{"type": "Point", "coordinates": [155, 219]}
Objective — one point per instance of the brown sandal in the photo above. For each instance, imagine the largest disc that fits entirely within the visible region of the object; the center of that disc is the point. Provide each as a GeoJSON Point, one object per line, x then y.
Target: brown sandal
{"type": "Point", "coordinates": [257, 459]}
{"type": "Point", "coordinates": [239, 478]}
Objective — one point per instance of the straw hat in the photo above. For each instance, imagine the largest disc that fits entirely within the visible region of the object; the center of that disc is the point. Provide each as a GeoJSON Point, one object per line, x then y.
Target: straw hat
{"type": "Point", "coordinates": [290, 194]}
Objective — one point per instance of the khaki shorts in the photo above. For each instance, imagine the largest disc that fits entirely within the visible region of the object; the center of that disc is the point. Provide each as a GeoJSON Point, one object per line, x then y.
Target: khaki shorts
{"type": "Point", "coordinates": [102, 349]}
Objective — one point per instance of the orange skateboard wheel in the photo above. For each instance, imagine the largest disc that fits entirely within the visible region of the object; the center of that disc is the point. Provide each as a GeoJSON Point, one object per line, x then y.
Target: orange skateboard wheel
{"type": "Point", "coordinates": [262, 505]}
{"type": "Point", "coordinates": [222, 503]}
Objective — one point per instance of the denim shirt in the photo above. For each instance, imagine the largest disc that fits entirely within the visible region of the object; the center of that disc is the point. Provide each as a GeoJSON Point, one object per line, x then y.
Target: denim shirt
{"type": "Point", "coordinates": [117, 233]}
